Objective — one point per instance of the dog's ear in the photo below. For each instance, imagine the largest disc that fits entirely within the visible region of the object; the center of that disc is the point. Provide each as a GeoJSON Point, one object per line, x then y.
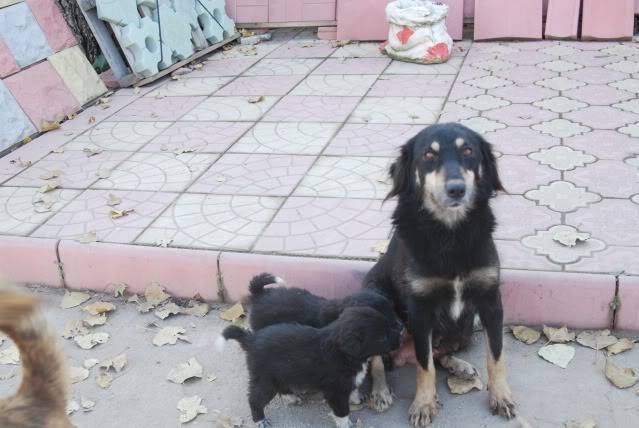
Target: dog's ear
{"type": "Point", "coordinates": [489, 166]}
{"type": "Point", "coordinates": [401, 171]}
{"type": "Point", "coordinates": [350, 341]}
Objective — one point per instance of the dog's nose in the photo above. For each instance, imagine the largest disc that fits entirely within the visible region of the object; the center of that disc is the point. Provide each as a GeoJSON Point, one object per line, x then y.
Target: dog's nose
{"type": "Point", "coordinates": [456, 189]}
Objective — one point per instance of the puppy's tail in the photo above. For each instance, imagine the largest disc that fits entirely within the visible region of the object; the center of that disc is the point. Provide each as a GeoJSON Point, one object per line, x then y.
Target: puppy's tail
{"type": "Point", "coordinates": [44, 375]}
{"type": "Point", "coordinates": [257, 284]}
{"type": "Point", "coordinates": [234, 332]}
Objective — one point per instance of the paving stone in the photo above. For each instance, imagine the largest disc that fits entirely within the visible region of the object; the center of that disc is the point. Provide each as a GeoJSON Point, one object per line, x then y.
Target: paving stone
{"type": "Point", "coordinates": [525, 74]}
{"type": "Point", "coordinates": [189, 86]}
{"type": "Point", "coordinates": [520, 174]}
{"type": "Point", "coordinates": [303, 138]}
{"type": "Point", "coordinates": [614, 219]}
{"type": "Point", "coordinates": [483, 102]}
{"type": "Point", "coordinates": [359, 50]}
{"type": "Point", "coordinates": [631, 85]}
{"type": "Point", "coordinates": [230, 109]}
{"type": "Point", "coordinates": [509, 209]}
{"type": "Point", "coordinates": [452, 66]}
{"type": "Point", "coordinates": [598, 94]}
{"type": "Point", "coordinates": [303, 49]}
{"type": "Point", "coordinates": [122, 136]}
{"type": "Point", "coordinates": [462, 90]}
{"type": "Point", "coordinates": [23, 35]}
{"type": "Point", "coordinates": [335, 85]}
{"type": "Point", "coordinates": [8, 64]}
{"type": "Point", "coordinates": [523, 94]}
{"type": "Point", "coordinates": [353, 66]}
{"type": "Point", "coordinates": [519, 140]}
{"type": "Point", "coordinates": [560, 104]}
{"type": "Point", "coordinates": [621, 50]}
{"type": "Point", "coordinates": [261, 85]}
{"type": "Point", "coordinates": [514, 255]}
{"type": "Point", "coordinates": [528, 58]}
{"type": "Point", "coordinates": [624, 67]}
{"type": "Point", "coordinates": [602, 117]}
{"type": "Point", "coordinates": [593, 58]}
{"type": "Point", "coordinates": [608, 178]}
{"type": "Point", "coordinates": [493, 64]}
{"type": "Point", "coordinates": [631, 106]}
{"type": "Point", "coordinates": [559, 50]}
{"type": "Point", "coordinates": [560, 83]}
{"type": "Point", "coordinates": [202, 137]}
{"type": "Point", "coordinates": [48, 15]}
{"type": "Point", "coordinates": [154, 109]}
{"type": "Point", "coordinates": [563, 196]}
{"type": "Point", "coordinates": [561, 128]}
{"type": "Point", "coordinates": [520, 115]}
{"type": "Point", "coordinates": [489, 82]}
{"type": "Point", "coordinates": [79, 76]}
{"type": "Point", "coordinates": [218, 67]}
{"type": "Point", "coordinates": [562, 158]}
{"type": "Point", "coordinates": [404, 85]}
{"type": "Point", "coordinates": [543, 243]}
{"type": "Point", "coordinates": [604, 144]}
{"type": "Point", "coordinates": [408, 110]}
{"type": "Point", "coordinates": [482, 125]}
{"type": "Point", "coordinates": [14, 123]}
{"type": "Point", "coordinates": [631, 130]}
{"type": "Point", "coordinates": [283, 67]}
{"type": "Point", "coordinates": [595, 75]}
{"type": "Point", "coordinates": [371, 139]}
{"type": "Point", "coordinates": [559, 65]}
{"type": "Point", "coordinates": [612, 259]}
{"type": "Point", "coordinates": [456, 113]}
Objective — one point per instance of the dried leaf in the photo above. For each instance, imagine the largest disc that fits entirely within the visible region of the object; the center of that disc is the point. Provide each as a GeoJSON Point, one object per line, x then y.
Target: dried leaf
{"type": "Point", "coordinates": [90, 363]}
{"type": "Point", "coordinates": [116, 363]}
{"type": "Point", "coordinates": [72, 406]}
{"type": "Point", "coordinates": [596, 339]}
{"type": "Point", "coordinates": [118, 290]}
{"type": "Point", "coordinates": [163, 242]}
{"type": "Point", "coordinates": [144, 307]}
{"type": "Point", "coordinates": [136, 90]}
{"type": "Point", "coordinates": [197, 309]}
{"type": "Point", "coordinates": [584, 423]}
{"type": "Point", "coordinates": [92, 151]}
{"type": "Point", "coordinates": [558, 354]}
{"type": "Point", "coordinates": [98, 308]}
{"type": "Point", "coordinates": [569, 238]}
{"type": "Point", "coordinates": [182, 150]}
{"type": "Point", "coordinates": [185, 371]}
{"type": "Point", "coordinates": [21, 163]}
{"type": "Point", "coordinates": [342, 43]}
{"type": "Point", "coordinates": [381, 247]}
{"type": "Point", "coordinates": [115, 214]}
{"type": "Point", "coordinates": [621, 377]}
{"type": "Point", "coordinates": [48, 187]}
{"type": "Point", "coordinates": [167, 310]}
{"type": "Point", "coordinates": [190, 408]}
{"type": "Point", "coordinates": [88, 237]}
{"type": "Point", "coordinates": [133, 299]}
{"type": "Point", "coordinates": [71, 116]}
{"type": "Point", "coordinates": [87, 405]}
{"type": "Point", "coordinates": [155, 294]}
{"type": "Point", "coordinates": [43, 207]}
{"type": "Point", "coordinates": [49, 175]}
{"type": "Point", "coordinates": [8, 375]}
{"type": "Point", "coordinates": [113, 200]}
{"type": "Point", "coordinates": [73, 299]}
{"type": "Point", "coordinates": [27, 140]}
{"type": "Point", "coordinates": [225, 421]}
{"type": "Point", "coordinates": [88, 341]}
{"type": "Point", "coordinates": [91, 119]}
{"type": "Point", "coordinates": [103, 173]}
{"type": "Point", "coordinates": [220, 179]}
{"type": "Point", "coordinates": [211, 378]}
{"type": "Point", "coordinates": [73, 328]}
{"type": "Point", "coordinates": [624, 344]}
{"type": "Point", "coordinates": [458, 385]}
{"type": "Point", "coordinates": [11, 355]}
{"type": "Point", "coordinates": [234, 313]}
{"type": "Point", "coordinates": [526, 334]}
{"type": "Point", "coordinates": [104, 380]}
{"type": "Point", "coordinates": [170, 336]}
{"type": "Point", "coordinates": [78, 374]}
{"type": "Point", "coordinates": [46, 126]}
{"type": "Point", "coordinates": [558, 335]}
{"type": "Point", "coordinates": [256, 99]}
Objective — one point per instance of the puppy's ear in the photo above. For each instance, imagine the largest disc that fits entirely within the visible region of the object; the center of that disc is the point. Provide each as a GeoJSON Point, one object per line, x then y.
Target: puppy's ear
{"type": "Point", "coordinates": [350, 341]}
{"type": "Point", "coordinates": [401, 171]}
{"type": "Point", "coordinates": [490, 175]}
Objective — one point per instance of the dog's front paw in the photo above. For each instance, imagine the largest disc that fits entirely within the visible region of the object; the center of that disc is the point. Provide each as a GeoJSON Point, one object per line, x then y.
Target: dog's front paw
{"type": "Point", "coordinates": [264, 423]}
{"type": "Point", "coordinates": [501, 401]}
{"type": "Point", "coordinates": [422, 411]}
{"type": "Point", "coordinates": [381, 399]}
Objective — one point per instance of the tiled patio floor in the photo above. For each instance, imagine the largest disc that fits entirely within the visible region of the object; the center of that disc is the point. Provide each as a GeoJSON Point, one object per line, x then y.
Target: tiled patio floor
{"type": "Point", "coordinates": [302, 171]}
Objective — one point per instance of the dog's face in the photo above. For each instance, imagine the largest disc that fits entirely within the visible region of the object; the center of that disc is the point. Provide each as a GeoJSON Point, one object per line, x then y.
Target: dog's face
{"type": "Point", "coordinates": [362, 332]}
{"type": "Point", "coordinates": [448, 168]}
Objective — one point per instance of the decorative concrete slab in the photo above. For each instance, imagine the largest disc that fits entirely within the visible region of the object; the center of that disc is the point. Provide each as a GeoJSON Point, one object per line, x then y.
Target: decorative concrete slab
{"type": "Point", "coordinates": [408, 110]}
{"type": "Point", "coordinates": [614, 219]}
{"type": "Point", "coordinates": [154, 109]}
{"type": "Point", "coordinates": [190, 86]}
{"type": "Point", "coordinates": [562, 158]}
{"type": "Point", "coordinates": [520, 140]}
{"type": "Point", "coordinates": [560, 83]}
{"type": "Point", "coordinates": [561, 128]}
{"type": "Point", "coordinates": [371, 139]}
{"type": "Point", "coordinates": [523, 94]}
{"type": "Point", "coordinates": [520, 174]}
{"type": "Point", "coordinates": [301, 138]}
{"type": "Point", "coordinates": [596, 75]}
{"type": "Point", "coordinates": [509, 208]}
{"type": "Point", "coordinates": [120, 136]}
{"type": "Point", "coordinates": [543, 243]}
{"type": "Point", "coordinates": [483, 102]}
{"type": "Point", "coordinates": [481, 124]}
{"type": "Point", "coordinates": [520, 115]}
{"type": "Point", "coordinates": [231, 109]}
{"type": "Point", "coordinates": [525, 74]}
{"type": "Point", "coordinates": [304, 49]}
{"type": "Point", "coordinates": [359, 50]}
{"type": "Point", "coordinates": [602, 117]}
{"type": "Point", "coordinates": [217, 67]}
{"type": "Point", "coordinates": [514, 255]}
{"type": "Point", "coordinates": [560, 104]}
{"type": "Point", "coordinates": [8, 64]}
{"type": "Point", "coordinates": [23, 35]}
{"type": "Point", "coordinates": [15, 124]}
{"type": "Point", "coordinates": [563, 196]}
{"type": "Point", "coordinates": [335, 85]}
{"type": "Point", "coordinates": [604, 144]}
{"type": "Point", "coordinates": [452, 66]}
{"type": "Point", "coordinates": [261, 85]}
{"type": "Point", "coordinates": [412, 86]}
{"type": "Point", "coordinates": [608, 178]}
{"type": "Point", "coordinates": [53, 24]}
{"type": "Point", "coordinates": [283, 67]}
{"type": "Point", "coordinates": [296, 108]}
{"type": "Point", "coordinates": [201, 137]}
{"type": "Point", "coordinates": [353, 66]}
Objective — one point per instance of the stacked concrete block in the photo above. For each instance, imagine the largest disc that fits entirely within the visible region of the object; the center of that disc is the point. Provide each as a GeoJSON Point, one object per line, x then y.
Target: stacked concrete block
{"type": "Point", "coordinates": [15, 124]}
{"type": "Point", "coordinates": [78, 75]}
{"type": "Point", "coordinates": [53, 24]}
{"type": "Point", "coordinates": [23, 35]}
{"type": "Point", "coordinates": [8, 64]}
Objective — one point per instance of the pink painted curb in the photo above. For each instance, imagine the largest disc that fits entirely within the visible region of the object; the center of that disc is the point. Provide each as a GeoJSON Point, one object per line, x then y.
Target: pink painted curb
{"type": "Point", "coordinates": [628, 313]}
{"type": "Point", "coordinates": [29, 261]}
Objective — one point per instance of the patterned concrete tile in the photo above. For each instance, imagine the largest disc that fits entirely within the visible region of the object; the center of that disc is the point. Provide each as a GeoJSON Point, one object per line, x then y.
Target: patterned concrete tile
{"type": "Point", "coordinates": [602, 117]}
{"type": "Point", "coordinates": [468, 73]}
{"type": "Point", "coordinates": [260, 85]}
{"type": "Point", "coordinates": [78, 74]}
{"type": "Point", "coordinates": [562, 158]}
{"type": "Point", "coordinates": [596, 75]}
{"type": "Point", "coordinates": [359, 50]}
{"type": "Point", "coordinates": [453, 112]}
{"type": "Point", "coordinates": [631, 106]}
{"type": "Point", "coordinates": [592, 58]}
{"type": "Point", "coordinates": [611, 219]}
{"type": "Point", "coordinates": [608, 178]}
{"type": "Point", "coordinates": [189, 86]}
{"type": "Point", "coordinates": [561, 128]}
{"type": "Point", "coordinates": [493, 64]}
{"type": "Point", "coordinates": [510, 209]}
{"type": "Point", "coordinates": [482, 125]}
{"type": "Point", "coordinates": [631, 130]}
{"type": "Point", "coordinates": [346, 177]}
{"type": "Point", "coordinates": [404, 85]}
{"type": "Point", "coordinates": [202, 137]}
{"type": "Point", "coordinates": [253, 174]}
{"type": "Point", "coordinates": [604, 144]}
{"type": "Point", "coordinates": [294, 108]}
{"type": "Point", "coordinates": [165, 172]}
{"type": "Point", "coordinates": [462, 90]}
{"type": "Point", "coordinates": [23, 35]}
{"type": "Point", "coordinates": [20, 213]}
{"type": "Point", "coordinates": [371, 139]}
{"type": "Point", "coordinates": [563, 196]}
{"type": "Point", "coordinates": [353, 66]}
{"type": "Point", "coordinates": [559, 65]}
{"type": "Point", "coordinates": [624, 66]}
{"type": "Point", "coordinates": [488, 82]}
{"type": "Point", "coordinates": [630, 85]}
{"type": "Point", "coordinates": [561, 83]}
{"type": "Point", "coordinates": [154, 109]}
{"type": "Point", "coordinates": [483, 102]}
{"type": "Point", "coordinates": [230, 109]}
{"type": "Point", "coordinates": [612, 259]}
{"type": "Point", "coordinates": [303, 49]}
{"type": "Point", "coordinates": [90, 212]}
{"type": "Point", "coordinates": [528, 58]}
{"type": "Point", "coordinates": [409, 110]}
{"type": "Point", "coordinates": [283, 67]}
{"type": "Point", "coordinates": [520, 115]}
{"type": "Point", "coordinates": [95, 114]}
{"type": "Point", "coordinates": [15, 123]}
{"type": "Point", "coordinates": [621, 50]}
{"type": "Point", "coordinates": [559, 50]}
{"type": "Point", "coordinates": [560, 104]}
{"type": "Point", "coordinates": [327, 226]}
{"type": "Point", "coordinates": [335, 85]}
{"type": "Point", "coordinates": [123, 136]}
{"type": "Point", "coordinates": [224, 67]}
{"type": "Point", "coordinates": [543, 243]}
{"type": "Point", "coordinates": [525, 74]}
{"type": "Point", "coordinates": [588, 47]}
{"type": "Point", "coordinates": [302, 138]}
{"type": "Point", "coordinates": [520, 174]}
{"type": "Point", "coordinates": [451, 67]}
{"type": "Point", "coordinates": [524, 94]}
{"type": "Point", "coordinates": [514, 255]}
{"type": "Point", "coordinates": [213, 221]}
{"type": "Point", "coordinates": [77, 171]}
{"type": "Point", "coordinates": [635, 199]}
{"type": "Point", "coordinates": [516, 140]}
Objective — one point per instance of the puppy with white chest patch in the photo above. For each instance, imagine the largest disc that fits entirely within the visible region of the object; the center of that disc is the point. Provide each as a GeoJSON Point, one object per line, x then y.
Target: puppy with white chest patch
{"type": "Point", "coordinates": [442, 267]}
{"type": "Point", "coordinates": [284, 358]}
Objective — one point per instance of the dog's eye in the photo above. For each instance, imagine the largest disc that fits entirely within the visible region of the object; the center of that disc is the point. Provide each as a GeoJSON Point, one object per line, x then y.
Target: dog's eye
{"type": "Point", "coordinates": [467, 151]}
{"type": "Point", "coordinates": [430, 156]}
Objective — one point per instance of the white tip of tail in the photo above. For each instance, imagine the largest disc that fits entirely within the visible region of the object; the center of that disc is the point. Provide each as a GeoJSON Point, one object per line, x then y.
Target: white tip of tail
{"type": "Point", "coordinates": [220, 343]}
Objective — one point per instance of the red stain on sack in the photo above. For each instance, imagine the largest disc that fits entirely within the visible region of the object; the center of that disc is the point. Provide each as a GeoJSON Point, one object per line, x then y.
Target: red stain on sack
{"type": "Point", "coordinates": [439, 51]}
{"type": "Point", "coordinates": [404, 35]}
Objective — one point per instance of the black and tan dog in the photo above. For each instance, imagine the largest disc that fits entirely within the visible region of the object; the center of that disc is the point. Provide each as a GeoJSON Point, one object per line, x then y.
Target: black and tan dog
{"type": "Point", "coordinates": [442, 267]}
{"type": "Point", "coordinates": [41, 400]}
{"type": "Point", "coordinates": [286, 358]}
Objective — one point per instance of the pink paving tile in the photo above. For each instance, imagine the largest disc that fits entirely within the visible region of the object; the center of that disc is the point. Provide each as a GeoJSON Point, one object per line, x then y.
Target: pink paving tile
{"type": "Point", "coordinates": [611, 260]}
{"type": "Point", "coordinates": [77, 171]}
{"type": "Point", "coordinates": [53, 24]}
{"type": "Point", "coordinates": [304, 49]}
{"type": "Point", "coordinates": [455, 112]}
{"type": "Point", "coordinates": [514, 255]}
{"type": "Point", "coordinates": [609, 178]}
{"type": "Point", "coordinates": [462, 90]}
{"type": "Point", "coordinates": [8, 64]}
{"type": "Point", "coordinates": [294, 108]}
{"type": "Point", "coordinates": [628, 316]}
{"type": "Point", "coordinates": [527, 57]}
{"type": "Point", "coordinates": [224, 67]}
{"type": "Point", "coordinates": [42, 94]}
{"type": "Point", "coordinates": [562, 19]}
{"type": "Point", "coordinates": [90, 212]}
{"type": "Point", "coordinates": [328, 278]}
{"type": "Point", "coordinates": [520, 174]}
{"type": "Point", "coordinates": [371, 139]}
{"type": "Point", "coordinates": [469, 73]}
{"type": "Point", "coordinates": [510, 209]}
{"type": "Point", "coordinates": [260, 85]}
{"type": "Point", "coordinates": [525, 74]}
{"type": "Point", "coordinates": [203, 137]}
{"type": "Point", "coordinates": [591, 58]}
{"type": "Point", "coordinates": [524, 19]}
{"type": "Point", "coordinates": [93, 115]}
{"type": "Point", "coordinates": [598, 94]}
{"type": "Point", "coordinates": [29, 261]}
{"type": "Point", "coordinates": [520, 115]}
{"type": "Point", "coordinates": [605, 144]}
{"type": "Point", "coordinates": [33, 151]}
{"type": "Point", "coordinates": [596, 75]}
{"type": "Point", "coordinates": [516, 140]}
{"type": "Point", "coordinates": [608, 21]}
{"type": "Point", "coordinates": [253, 174]}
{"type": "Point", "coordinates": [612, 220]}
{"type": "Point", "coordinates": [557, 298]}
{"type": "Point", "coordinates": [602, 117]}
{"type": "Point", "coordinates": [404, 85]}
{"type": "Point", "coordinates": [588, 46]}
{"type": "Point", "coordinates": [184, 273]}
{"type": "Point", "coordinates": [353, 66]}
{"type": "Point", "coordinates": [524, 94]}
{"type": "Point", "coordinates": [168, 108]}
{"type": "Point", "coordinates": [327, 226]}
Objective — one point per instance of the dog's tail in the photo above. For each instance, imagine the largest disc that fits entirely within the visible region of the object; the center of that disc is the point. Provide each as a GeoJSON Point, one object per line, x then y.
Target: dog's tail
{"type": "Point", "coordinates": [257, 284]}
{"type": "Point", "coordinates": [44, 375]}
{"type": "Point", "coordinates": [234, 332]}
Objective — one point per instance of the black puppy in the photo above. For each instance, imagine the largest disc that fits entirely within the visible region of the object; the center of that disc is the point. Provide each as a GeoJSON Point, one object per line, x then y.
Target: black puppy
{"type": "Point", "coordinates": [283, 358]}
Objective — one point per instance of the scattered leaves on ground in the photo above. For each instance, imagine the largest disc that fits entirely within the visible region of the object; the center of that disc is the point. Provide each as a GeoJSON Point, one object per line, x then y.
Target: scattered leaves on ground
{"type": "Point", "coordinates": [21, 163]}
{"type": "Point", "coordinates": [10, 355]}
{"type": "Point", "coordinates": [78, 374]}
{"type": "Point", "coordinates": [181, 150]}
{"type": "Point", "coordinates": [87, 405]}
{"type": "Point", "coordinates": [90, 363]}
{"type": "Point", "coordinates": [113, 200]}
{"type": "Point", "coordinates": [525, 334]}
{"type": "Point", "coordinates": [72, 407]}
{"type": "Point", "coordinates": [144, 307]}
{"type": "Point", "coordinates": [98, 308]}
{"type": "Point", "coordinates": [88, 341]}
{"type": "Point", "coordinates": [91, 119]}
{"type": "Point", "coordinates": [73, 328]}
{"type": "Point", "coordinates": [569, 238]}
{"type": "Point", "coordinates": [59, 149]}
{"type": "Point", "coordinates": [116, 363]}
{"type": "Point", "coordinates": [558, 335]}
{"type": "Point", "coordinates": [167, 310]}
{"type": "Point", "coordinates": [621, 377]}
{"type": "Point", "coordinates": [190, 408]}
{"type": "Point", "coordinates": [91, 151]}
{"type": "Point", "coordinates": [256, 99]}
{"type": "Point", "coordinates": [103, 173]}
{"type": "Point", "coordinates": [104, 380]}
{"type": "Point", "coordinates": [48, 187]}
{"type": "Point", "coordinates": [624, 344]}
{"type": "Point", "coordinates": [155, 294]}
{"type": "Point", "coordinates": [88, 237]}
{"type": "Point", "coordinates": [95, 320]}
{"type": "Point", "coordinates": [342, 43]}
{"type": "Point", "coordinates": [558, 354]}
{"type": "Point", "coordinates": [118, 289]}
{"type": "Point", "coordinates": [233, 313]}
{"type": "Point", "coordinates": [164, 242]}
{"type": "Point", "coordinates": [225, 421]}
{"type": "Point", "coordinates": [582, 423]}
{"type": "Point", "coordinates": [46, 125]}
{"type": "Point", "coordinates": [596, 339]}
{"type": "Point", "coordinates": [73, 299]}
{"type": "Point", "coordinates": [458, 385]}
{"type": "Point", "coordinates": [49, 175]}
{"type": "Point", "coordinates": [169, 336]}
{"type": "Point", "coordinates": [115, 214]}
{"type": "Point", "coordinates": [185, 371]}
{"type": "Point", "coordinates": [197, 309]}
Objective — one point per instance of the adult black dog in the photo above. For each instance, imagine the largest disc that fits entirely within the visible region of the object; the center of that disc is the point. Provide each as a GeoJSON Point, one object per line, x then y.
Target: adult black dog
{"type": "Point", "coordinates": [442, 267]}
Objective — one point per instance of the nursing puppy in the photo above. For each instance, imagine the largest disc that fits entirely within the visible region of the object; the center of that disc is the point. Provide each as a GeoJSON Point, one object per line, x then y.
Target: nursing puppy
{"type": "Point", "coordinates": [442, 267]}
{"type": "Point", "coordinates": [284, 358]}
{"type": "Point", "coordinates": [41, 400]}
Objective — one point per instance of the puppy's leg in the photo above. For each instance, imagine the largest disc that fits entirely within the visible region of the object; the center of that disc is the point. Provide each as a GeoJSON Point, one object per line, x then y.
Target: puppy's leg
{"type": "Point", "coordinates": [338, 401]}
{"type": "Point", "coordinates": [457, 366]}
{"type": "Point", "coordinates": [381, 397]}
{"type": "Point", "coordinates": [492, 315]}
{"type": "Point", "coordinates": [260, 394]}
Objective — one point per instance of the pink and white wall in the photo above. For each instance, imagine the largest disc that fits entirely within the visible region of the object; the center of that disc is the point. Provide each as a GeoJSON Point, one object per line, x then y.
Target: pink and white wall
{"type": "Point", "coordinates": [44, 75]}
